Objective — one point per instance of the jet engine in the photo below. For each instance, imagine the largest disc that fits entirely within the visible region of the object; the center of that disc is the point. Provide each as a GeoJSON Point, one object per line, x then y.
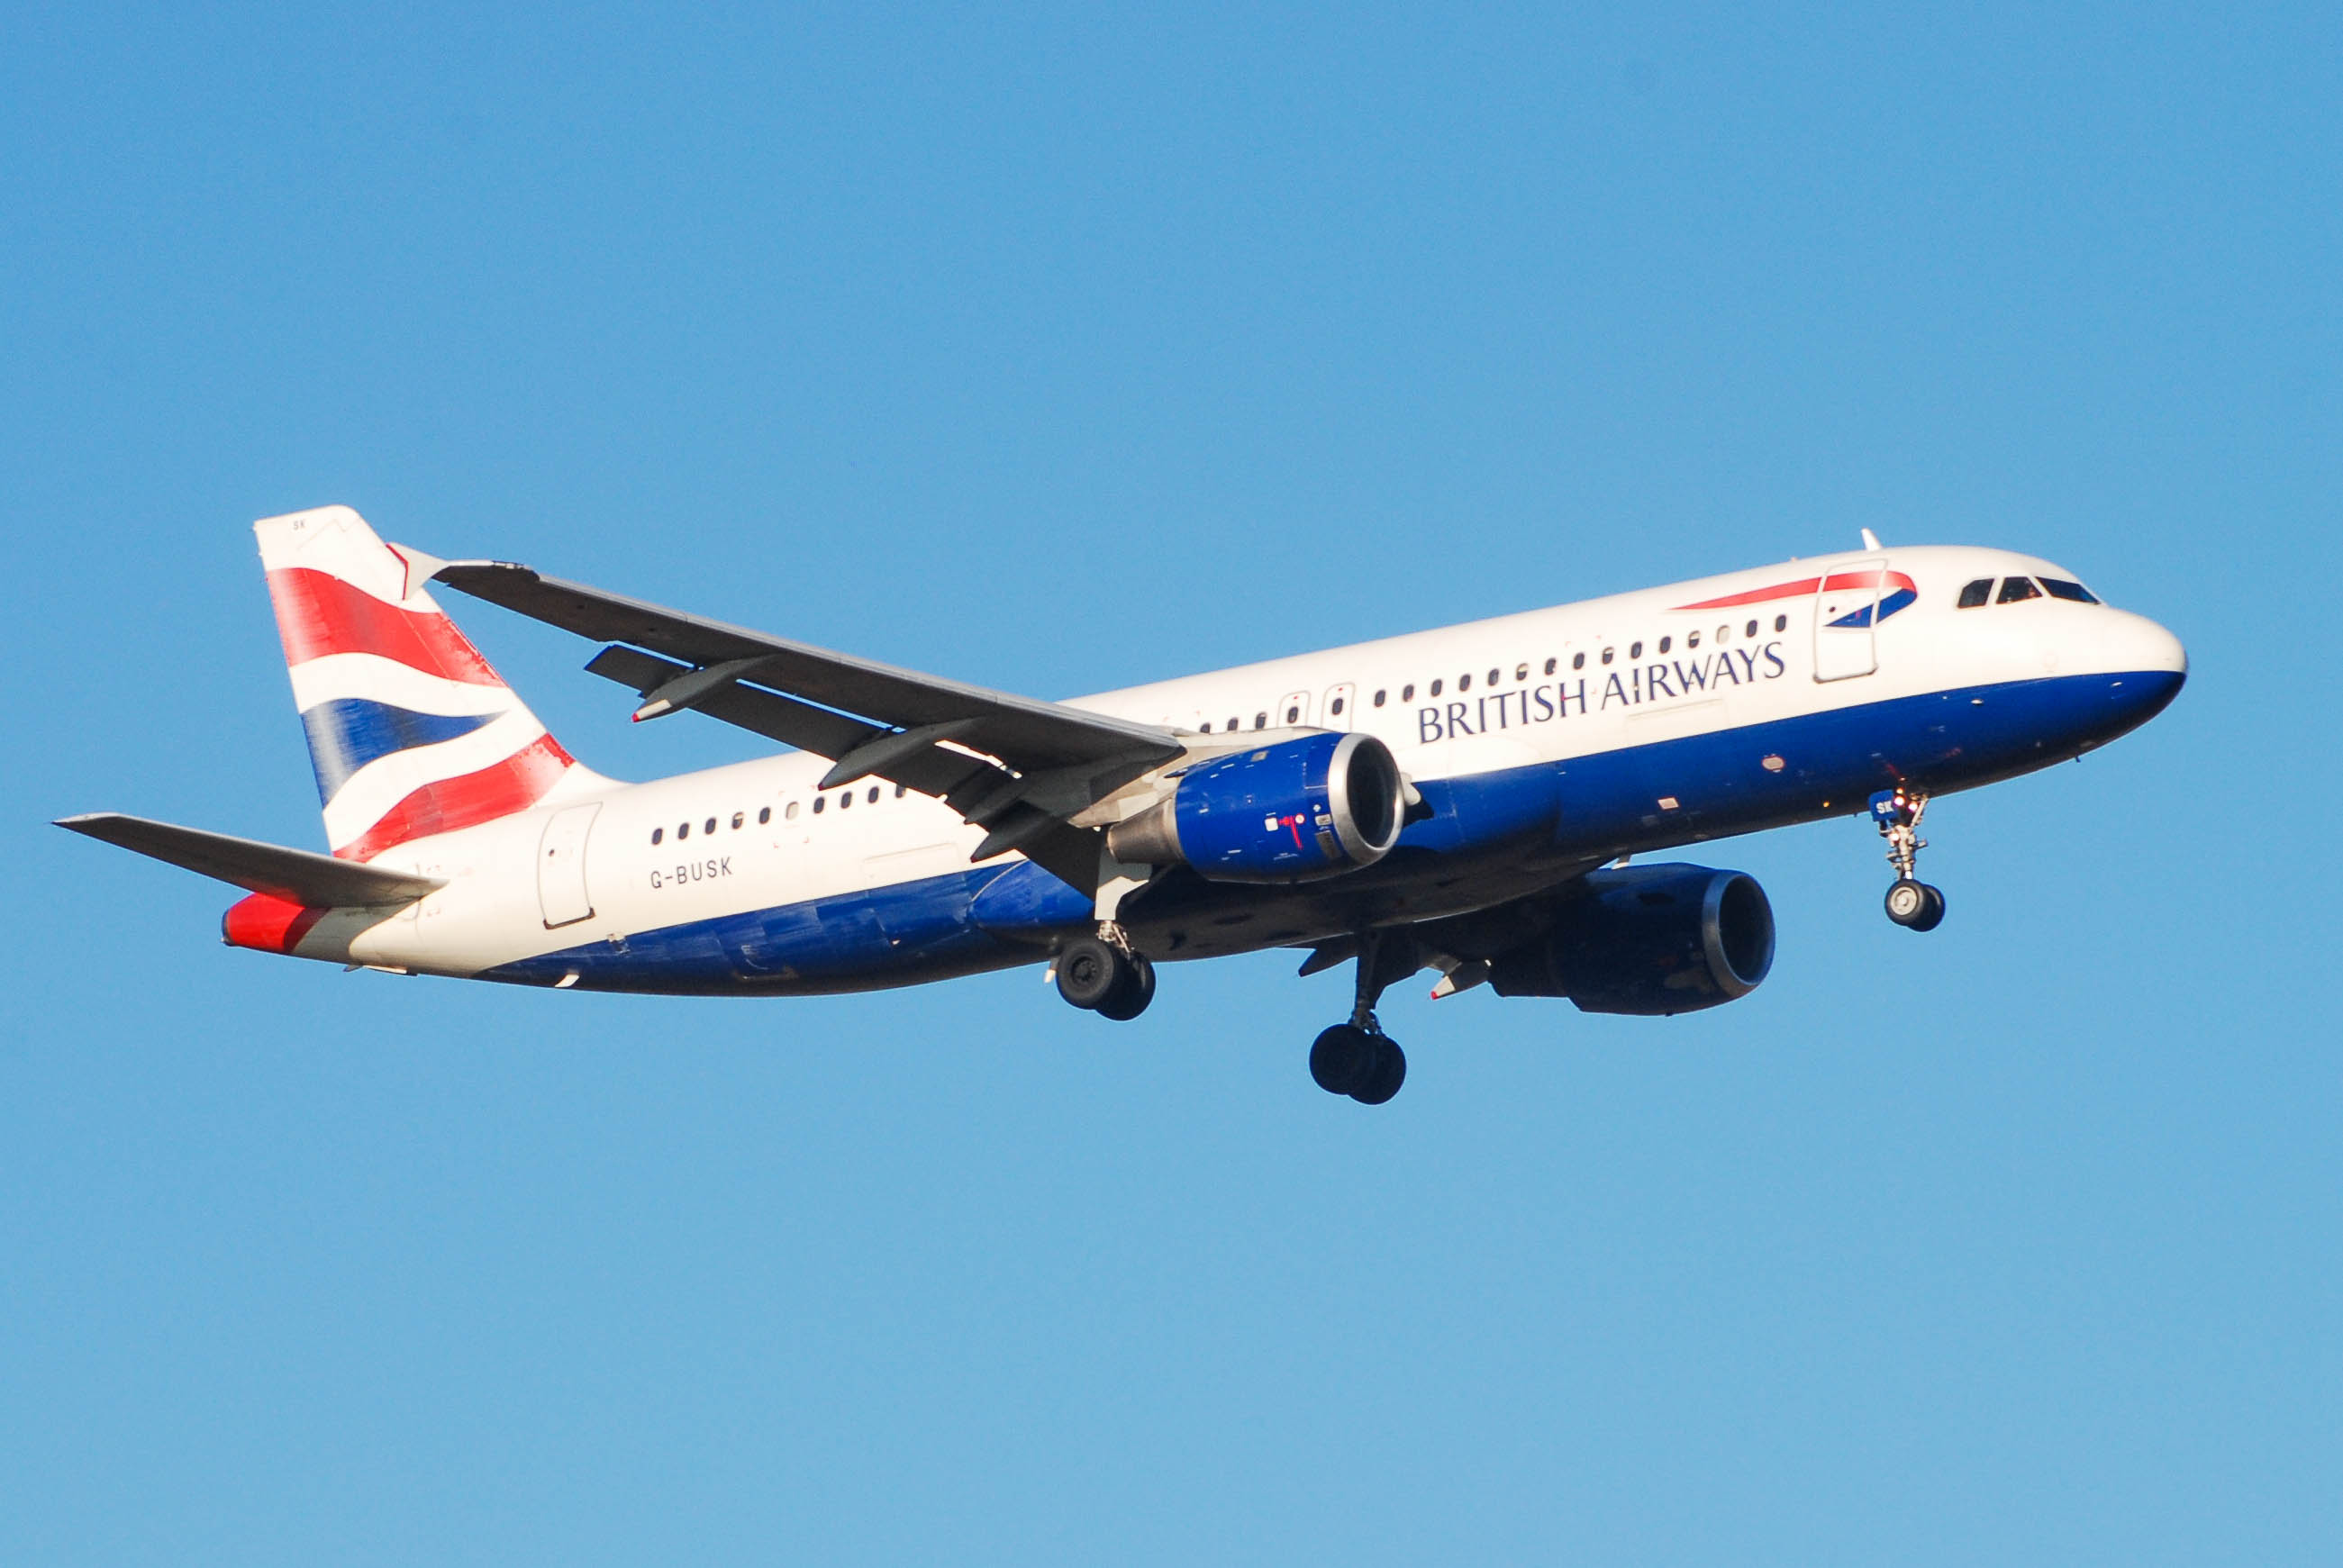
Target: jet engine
{"type": "Point", "coordinates": [1291, 812]}
{"type": "Point", "coordinates": [1647, 940]}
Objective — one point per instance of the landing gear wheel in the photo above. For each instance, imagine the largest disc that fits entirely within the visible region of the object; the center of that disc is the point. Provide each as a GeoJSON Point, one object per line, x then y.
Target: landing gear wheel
{"type": "Point", "coordinates": [1383, 1080]}
{"type": "Point", "coordinates": [1343, 1057]}
{"type": "Point", "coordinates": [1133, 991]}
{"type": "Point", "coordinates": [1915, 906]}
{"type": "Point", "coordinates": [1089, 972]}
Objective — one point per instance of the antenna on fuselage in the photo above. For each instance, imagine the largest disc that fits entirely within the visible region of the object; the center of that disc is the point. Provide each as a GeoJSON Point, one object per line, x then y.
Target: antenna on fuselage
{"type": "Point", "coordinates": [1870, 540]}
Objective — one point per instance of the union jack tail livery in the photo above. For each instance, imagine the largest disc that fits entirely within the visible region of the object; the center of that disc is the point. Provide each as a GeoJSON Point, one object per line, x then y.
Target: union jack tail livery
{"type": "Point", "coordinates": [411, 733]}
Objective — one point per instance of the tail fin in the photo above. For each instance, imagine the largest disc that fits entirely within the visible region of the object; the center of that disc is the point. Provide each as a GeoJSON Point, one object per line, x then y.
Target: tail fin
{"type": "Point", "coordinates": [410, 732]}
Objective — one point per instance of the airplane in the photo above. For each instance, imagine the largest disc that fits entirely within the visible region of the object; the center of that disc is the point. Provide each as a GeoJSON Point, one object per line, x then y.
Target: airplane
{"type": "Point", "coordinates": [1475, 799]}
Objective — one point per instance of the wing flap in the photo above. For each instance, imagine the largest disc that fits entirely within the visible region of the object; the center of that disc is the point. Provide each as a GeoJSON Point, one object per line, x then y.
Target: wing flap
{"type": "Point", "coordinates": [300, 876]}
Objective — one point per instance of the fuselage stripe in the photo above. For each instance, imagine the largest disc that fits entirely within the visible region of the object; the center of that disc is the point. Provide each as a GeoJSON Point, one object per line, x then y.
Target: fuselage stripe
{"type": "Point", "coordinates": [1803, 585]}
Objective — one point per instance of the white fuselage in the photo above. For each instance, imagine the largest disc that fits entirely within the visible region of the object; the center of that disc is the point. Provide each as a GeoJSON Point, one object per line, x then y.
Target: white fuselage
{"type": "Point", "coordinates": [1543, 687]}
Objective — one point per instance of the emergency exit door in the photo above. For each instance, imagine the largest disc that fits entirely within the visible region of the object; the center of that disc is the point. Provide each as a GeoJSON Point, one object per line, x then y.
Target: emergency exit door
{"type": "Point", "coordinates": [561, 866]}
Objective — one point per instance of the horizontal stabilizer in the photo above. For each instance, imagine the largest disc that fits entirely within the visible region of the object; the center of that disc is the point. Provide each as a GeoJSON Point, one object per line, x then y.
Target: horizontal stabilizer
{"type": "Point", "coordinates": [300, 876]}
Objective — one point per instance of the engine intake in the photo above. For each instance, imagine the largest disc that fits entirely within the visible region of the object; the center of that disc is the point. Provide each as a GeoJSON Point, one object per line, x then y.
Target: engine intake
{"type": "Point", "coordinates": [1649, 940]}
{"type": "Point", "coordinates": [1291, 812]}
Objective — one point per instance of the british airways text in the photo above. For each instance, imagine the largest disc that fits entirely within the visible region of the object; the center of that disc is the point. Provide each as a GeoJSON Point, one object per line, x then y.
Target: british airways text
{"type": "Point", "coordinates": [1631, 687]}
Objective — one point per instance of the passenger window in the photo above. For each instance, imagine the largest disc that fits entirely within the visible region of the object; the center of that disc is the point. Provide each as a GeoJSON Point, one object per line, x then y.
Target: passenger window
{"type": "Point", "coordinates": [1974, 594]}
{"type": "Point", "coordinates": [1435, 689]}
{"type": "Point", "coordinates": [1497, 675]}
{"type": "Point", "coordinates": [819, 802]}
{"type": "Point", "coordinates": [873, 796]}
{"type": "Point", "coordinates": [1208, 727]}
{"type": "Point", "coordinates": [657, 834]}
{"type": "Point", "coordinates": [1750, 630]}
{"type": "Point", "coordinates": [1233, 724]}
{"type": "Point", "coordinates": [1551, 665]}
{"type": "Point", "coordinates": [1522, 671]}
{"type": "Point", "coordinates": [1635, 649]}
{"type": "Point", "coordinates": [1692, 639]}
{"type": "Point", "coordinates": [682, 830]}
{"type": "Point", "coordinates": [2066, 588]}
{"type": "Point", "coordinates": [739, 818]}
{"type": "Point", "coordinates": [1578, 661]}
{"type": "Point", "coordinates": [1781, 623]}
{"type": "Point", "coordinates": [1261, 721]}
{"type": "Point", "coordinates": [1335, 707]}
{"type": "Point", "coordinates": [902, 790]}
{"type": "Point", "coordinates": [1407, 692]}
{"type": "Point", "coordinates": [845, 799]}
{"type": "Point", "coordinates": [790, 811]}
{"type": "Point", "coordinates": [1379, 697]}
{"type": "Point", "coordinates": [1293, 714]}
{"type": "Point", "coordinates": [764, 814]}
{"type": "Point", "coordinates": [1463, 683]}
{"type": "Point", "coordinates": [1607, 656]}
{"type": "Point", "coordinates": [712, 826]}
{"type": "Point", "coordinates": [1666, 643]}
{"type": "Point", "coordinates": [2014, 590]}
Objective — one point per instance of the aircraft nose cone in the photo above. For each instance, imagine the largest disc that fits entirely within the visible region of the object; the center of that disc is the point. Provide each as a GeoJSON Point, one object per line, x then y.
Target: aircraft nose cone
{"type": "Point", "coordinates": [2146, 667]}
{"type": "Point", "coordinates": [2158, 650]}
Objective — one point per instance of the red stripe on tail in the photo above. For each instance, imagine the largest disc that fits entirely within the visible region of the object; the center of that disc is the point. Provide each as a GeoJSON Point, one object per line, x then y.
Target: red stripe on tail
{"type": "Point", "coordinates": [515, 784]}
{"type": "Point", "coordinates": [318, 615]}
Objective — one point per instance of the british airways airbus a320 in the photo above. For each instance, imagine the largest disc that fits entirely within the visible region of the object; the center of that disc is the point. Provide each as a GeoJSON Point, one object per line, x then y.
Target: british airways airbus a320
{"type": "Point", "coordinates": [1463, 799]}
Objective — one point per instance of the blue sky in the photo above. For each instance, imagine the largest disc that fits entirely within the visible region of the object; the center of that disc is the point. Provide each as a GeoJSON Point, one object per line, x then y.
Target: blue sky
{"type": "Point", "coordinates": [1059, 349]}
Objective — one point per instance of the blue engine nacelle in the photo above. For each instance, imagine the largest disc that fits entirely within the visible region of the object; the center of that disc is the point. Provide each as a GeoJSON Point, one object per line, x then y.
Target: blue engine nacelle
{"type": "Point", "coordinates": [1647, 940]}
{"type": "Point", "coordinates": [1291, 812]}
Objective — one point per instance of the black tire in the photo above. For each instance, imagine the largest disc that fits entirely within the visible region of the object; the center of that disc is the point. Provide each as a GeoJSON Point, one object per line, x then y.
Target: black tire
{"type": "Point", "coordinates": [1933, 914]}
{"type": "Point", "coordinates": [1088, 971]}
{"type": "Point", "coordinates": [1383, 1080]}
{"type": "Point", "coordinates": [1907, 902]}
{"type": "Point", "coordinates": [1133, 993]}
{"type": "Point", "coordinates": [1340, 1058]}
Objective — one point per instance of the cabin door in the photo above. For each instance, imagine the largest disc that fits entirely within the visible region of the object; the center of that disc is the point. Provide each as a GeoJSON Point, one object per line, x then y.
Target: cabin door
{"type": "Point", "coordinates": [1292, 708]}
{"type": "Point", "coordinates": [1846, 606]}
{"type": "Point", "coordinates": [561, 866]}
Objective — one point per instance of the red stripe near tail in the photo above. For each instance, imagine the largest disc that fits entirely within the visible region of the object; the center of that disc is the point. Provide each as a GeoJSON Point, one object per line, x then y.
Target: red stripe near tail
{"type": "Point", "coordinates": [515, 784]}
{"type": "Point", "coordinates": [318, 615]}
{"type": "Point", "coordinates": [268, 924]}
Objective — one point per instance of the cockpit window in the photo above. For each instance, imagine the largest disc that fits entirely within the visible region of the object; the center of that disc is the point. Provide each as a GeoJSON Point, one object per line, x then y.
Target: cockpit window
{"type": "Point", "coordinates": [2060, 587]}
{"type": "Point", "coordinates": [1976, 593]}
{"type": "Point", "coordinates": [2015, 588]}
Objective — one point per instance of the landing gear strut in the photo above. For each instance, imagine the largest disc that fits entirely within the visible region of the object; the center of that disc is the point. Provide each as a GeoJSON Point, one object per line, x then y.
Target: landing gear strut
{"type": "Point", "coordinates": [1911, 903]}
{"type": "Point", "coordinates": [1357, 1058]}
{"type": "Point", "coordinates": [1104, 974]}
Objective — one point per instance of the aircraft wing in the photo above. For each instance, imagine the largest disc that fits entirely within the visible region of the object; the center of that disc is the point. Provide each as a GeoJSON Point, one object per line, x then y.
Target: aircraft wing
{"type": "Point", "coordinates": [301, 876]}
{"type": "Point", "coordinates": [1019, 768]}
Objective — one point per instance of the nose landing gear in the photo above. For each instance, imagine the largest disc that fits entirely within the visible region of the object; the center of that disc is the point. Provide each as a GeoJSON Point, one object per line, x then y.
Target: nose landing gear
{"type": "Point", "coordinates": [1911, 903]}
{"type": "Point", "coordinates": [1357, 1058]}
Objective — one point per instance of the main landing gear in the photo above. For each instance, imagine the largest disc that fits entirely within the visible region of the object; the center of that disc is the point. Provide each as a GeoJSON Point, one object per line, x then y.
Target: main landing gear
{"type": "Point", "coordinates": [1911, 903]}
{"type": "Point", "coordinates": [1104, 974]}
{"type": "Point", "coordinates": [1357, 1058]}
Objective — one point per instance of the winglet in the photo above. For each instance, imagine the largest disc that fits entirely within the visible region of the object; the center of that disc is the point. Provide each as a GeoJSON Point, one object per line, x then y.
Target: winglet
{"type": "Point", "coordinates": [420, 568]}
{"type": "Point", "coordinates": [1871, 540]}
